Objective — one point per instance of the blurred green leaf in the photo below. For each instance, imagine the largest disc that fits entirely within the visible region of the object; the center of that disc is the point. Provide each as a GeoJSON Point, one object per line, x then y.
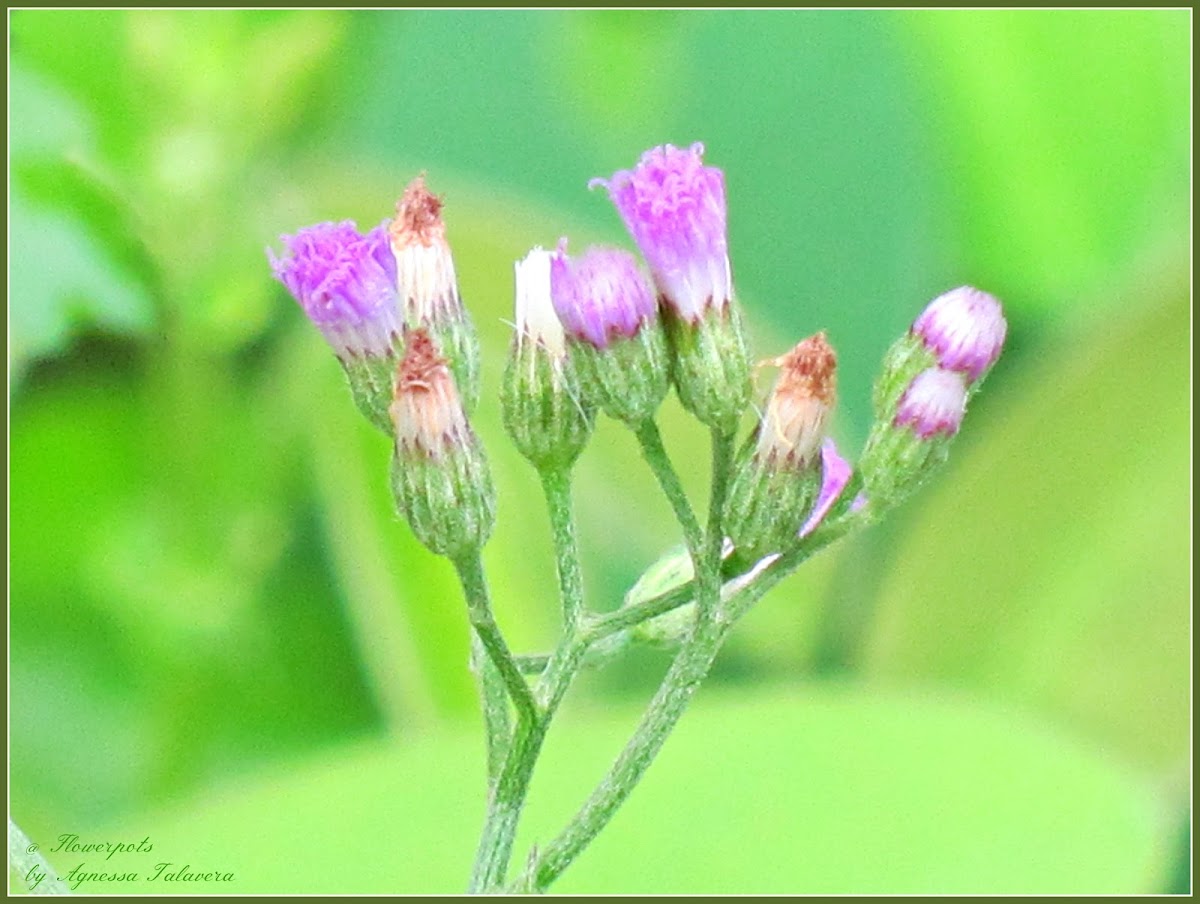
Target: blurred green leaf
{"type": "Point", "coordinates": [184, 111]}
{"type": "Point", "coordinates": [84, 287]}
{"type": "Point", "coordinates": [827, 792]}
{"type": "Point", "coordinates": [624, 68]}
{"type": "Point", "coordinates": [1064, 138]}
{"type": "Point", "coordinates": [403, 602]}
{"type": "Point", "coordinates": [1050, 565]}
{"type": "Point", "coordinates": [164, 570]}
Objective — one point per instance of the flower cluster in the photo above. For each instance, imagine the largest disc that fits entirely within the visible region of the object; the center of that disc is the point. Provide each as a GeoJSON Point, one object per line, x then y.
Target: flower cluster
{"type": "Point", "coordinates": [602, 332]}
{"type": "Point", "coordinates": [593, 333]}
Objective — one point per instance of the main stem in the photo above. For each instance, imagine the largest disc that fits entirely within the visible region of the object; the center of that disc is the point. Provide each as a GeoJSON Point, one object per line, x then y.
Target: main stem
{"type": "Point", "coordinates": [688, 669]}
{"type": "Point", "coordinates": [686, 672]}
{"type": "Point", "coordinates": [507, 796]}
{"type": "Point", "coordinates": [708, 568]}
{"type": "Point", "coordinates": [505, 803]}
{"type": "Point", "coordinates": [494, 701]}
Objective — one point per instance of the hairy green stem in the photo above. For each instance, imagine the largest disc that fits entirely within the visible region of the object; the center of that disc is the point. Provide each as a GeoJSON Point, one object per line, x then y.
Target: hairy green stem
{"type": "Point", "coordinates": [708, 568]}
{"type": "Point", "coordinates": [826, 533]}
{"type": "Point", "coordinates": [479, 609]}
{"type": "Point", "coordinates": [505, 802]}
{"type": "Point", "coordinates": [532, 663]}
{"type": "Point", "coordinates": [494, 699]}
{"type": "Point", "coordinates": [599, 627]}
{"type": "Point", "coordinates": [656, 456]}
{"type": "Point", "coordinates": [686, 672]}
{"type": "Point", "coordinates": [556, 484]}
{"type": "Point", "coordinates": [507, 797]}
{"type": "Point", "coordinates": [688, 669]}
{"type": "Point", "coordinates": [627, 617]}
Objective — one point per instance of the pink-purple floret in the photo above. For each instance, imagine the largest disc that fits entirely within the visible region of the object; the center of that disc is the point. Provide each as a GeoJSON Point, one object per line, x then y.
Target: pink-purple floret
{"type": "Point", "coordinates": [674, 208]}
{"type": "Point", "coordinates": [600, 296]}
{"type": "Point", "coordinates": [835, 474]}
{"type": "Point", "coordinates": [965, 328]}
{"type": "Point", "coordinates": [933, 403]}
{"type": "Point", "coordinates": [340, 277]}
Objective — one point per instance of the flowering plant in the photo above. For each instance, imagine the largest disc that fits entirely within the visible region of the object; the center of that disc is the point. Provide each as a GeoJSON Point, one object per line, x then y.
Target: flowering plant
{"type": "Point", "coordinates": [594, 335]}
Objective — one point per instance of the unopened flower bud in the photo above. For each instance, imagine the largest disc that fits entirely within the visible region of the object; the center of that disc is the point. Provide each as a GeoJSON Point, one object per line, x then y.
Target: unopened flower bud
{"type": "Point", "coordinates": [777, 474]}
{"type": "Point", "coordinates": [609, 313]}
{"type": "Point", "coordinates": [965, 329]}
{"type": "Point", "coordinates": [674, 208]}
{"type": "Point", "coordinates": [542, 402]}
{"type": "Point", "coordinates": [672, 570]}
{"type": "Point", "coordinates": [902, 452]}
{"type": "Point", "coordinates": [933, 404]}
{"type": "Point", "coordinates": [962, 330]}
{"type": "Point", "coordinates": [428, 285]}
{"type": "Point", "coordinates": [440, 477]}
{"type": "Point", "coordinates": [346, 284]}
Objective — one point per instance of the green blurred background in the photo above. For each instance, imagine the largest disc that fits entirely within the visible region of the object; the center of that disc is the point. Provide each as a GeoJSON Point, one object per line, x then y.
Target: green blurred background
{"type": "Point", "coordinates": [223, 639]}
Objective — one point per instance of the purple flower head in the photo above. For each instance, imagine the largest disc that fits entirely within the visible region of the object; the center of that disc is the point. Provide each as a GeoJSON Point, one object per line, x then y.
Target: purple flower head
{"type": "Point", "coordinates": [965, 328]}
{"type": "Point", "coordinates": [933, 403]}
{"type": "Point", "coordinates": [346, 283]}
{"type": "Point", "coordinates": [835, 475]}
{"type": "Point", "coordinates": [674, 207]}
{"type": "Point", "coordinates": [601, 296]}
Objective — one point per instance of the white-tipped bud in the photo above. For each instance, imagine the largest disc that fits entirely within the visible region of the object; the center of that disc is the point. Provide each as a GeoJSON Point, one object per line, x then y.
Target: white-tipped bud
{"type": "Point", "coordinates": [424, 265]}
{"type": "Point", "coordinates": [426, 409]}
{"type": "Point", "coordinates": [536, 320]}
{"type": "Point", "coordinates": [542, 403]}
{"type": "Point", "coordinates": [428, 286]}
{"type": "Point", "coordinates": [440, 477]}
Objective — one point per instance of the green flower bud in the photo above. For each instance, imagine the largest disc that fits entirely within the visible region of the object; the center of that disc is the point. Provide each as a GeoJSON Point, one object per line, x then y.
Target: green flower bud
{"type": "Point", "coordinates": [608, 310]}
{"type": "Point", "coordinates": [541, 399]}
{"type": "Point", "coordinates": [711, 367]}
{"type": "Point", "coordinates": [672, 570]}
{"type": "Point", "coordinates": [777, 474]}
{"type": "Point", "coordinates": [440, 477]}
